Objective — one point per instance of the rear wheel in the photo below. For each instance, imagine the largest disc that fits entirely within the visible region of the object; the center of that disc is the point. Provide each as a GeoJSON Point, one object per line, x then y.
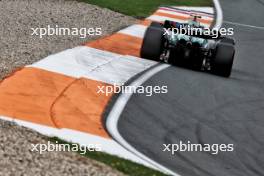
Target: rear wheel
{"type": "Point", "coordinates": [228, 40]}
{"type": "Point", "coordinates": [153, 43]}
{"type": "Point", "coordinates": [223, 61]}
{"type": "Point", "coordinates": [170, 24]}
{"type": "Point", "coordinates": [156, 24]}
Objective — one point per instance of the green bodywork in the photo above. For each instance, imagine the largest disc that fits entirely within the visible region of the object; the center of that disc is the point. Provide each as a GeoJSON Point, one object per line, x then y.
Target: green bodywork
{"type": "Point", "coordinates": [174, 38]}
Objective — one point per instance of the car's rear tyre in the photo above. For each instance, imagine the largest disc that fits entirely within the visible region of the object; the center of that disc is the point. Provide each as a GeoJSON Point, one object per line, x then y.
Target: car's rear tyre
{"type": "Point", "coordinates": [169, 24]}
{"type": "Point", "coordinates": [228, 40]}
{"type": "Point", "coordinates": [223, 61]}
{"type": "Point", "coordinates": [153, 43]}
{"type": "Point", "coordinates": [156, 24]}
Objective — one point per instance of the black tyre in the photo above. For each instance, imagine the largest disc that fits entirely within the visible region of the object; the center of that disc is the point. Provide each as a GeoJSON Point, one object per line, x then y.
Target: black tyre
{"type": "Point", "coordinates": [228, 40]}
{"type": "Point", "coordinates": [156, 24]}
{"type": "Point", "coordinates": [223, 61]}
{"type": "Point", "coordinates": [169, 24]}
{"type": "Point", "coordinates": [153, 43]}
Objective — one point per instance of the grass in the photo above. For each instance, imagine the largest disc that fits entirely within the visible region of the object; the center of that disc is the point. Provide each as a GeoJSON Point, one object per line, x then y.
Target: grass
{"type": "Point", "coordinates": [143, 8]}
{"type": "Point", "coordinates": [122, 165]}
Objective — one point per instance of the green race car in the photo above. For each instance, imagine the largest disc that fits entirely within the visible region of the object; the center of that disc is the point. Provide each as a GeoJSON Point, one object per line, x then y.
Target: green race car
{"type": "Point", "coordinates": [189, 45]}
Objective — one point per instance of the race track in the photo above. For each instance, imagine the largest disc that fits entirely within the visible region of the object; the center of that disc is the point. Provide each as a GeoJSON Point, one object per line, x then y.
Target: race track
{"type": "Point", "coordinates": [204, 108]}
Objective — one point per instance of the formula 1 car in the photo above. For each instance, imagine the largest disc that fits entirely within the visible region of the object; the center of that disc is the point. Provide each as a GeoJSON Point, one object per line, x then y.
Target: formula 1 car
{"type": "Point", "coordinates": [199, 51]}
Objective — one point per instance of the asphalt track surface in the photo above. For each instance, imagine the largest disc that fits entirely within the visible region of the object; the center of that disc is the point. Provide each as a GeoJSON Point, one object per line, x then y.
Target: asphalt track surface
{"type": "Point", "coordinates": [204, 108]}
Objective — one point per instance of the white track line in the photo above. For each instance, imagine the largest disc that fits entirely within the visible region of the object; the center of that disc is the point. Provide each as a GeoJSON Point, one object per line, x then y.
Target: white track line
{"type": "Point", "coordinates": [219, 15]}
{"type": "Point", "coordinates": [113, 117]}
{"type": "Point", "coordinates": [118, 107]}
{"type": "Point", "coordinates": [244, 25]}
